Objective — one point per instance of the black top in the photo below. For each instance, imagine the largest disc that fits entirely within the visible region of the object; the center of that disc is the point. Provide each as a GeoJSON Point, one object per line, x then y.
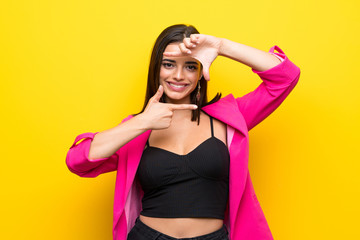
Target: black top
{"type": "Point", "coordinates": [191, 185]}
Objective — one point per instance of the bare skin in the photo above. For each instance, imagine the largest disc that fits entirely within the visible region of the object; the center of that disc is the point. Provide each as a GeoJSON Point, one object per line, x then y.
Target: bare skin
{"type": "Point", "coordinates": [183, 227]}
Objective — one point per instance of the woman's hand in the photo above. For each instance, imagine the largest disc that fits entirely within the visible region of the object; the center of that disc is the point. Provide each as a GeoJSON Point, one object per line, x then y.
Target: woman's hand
{"type": "Point", "coordinates": [204, 48]}
{"type": "Point", "coordinates": [158, 115]}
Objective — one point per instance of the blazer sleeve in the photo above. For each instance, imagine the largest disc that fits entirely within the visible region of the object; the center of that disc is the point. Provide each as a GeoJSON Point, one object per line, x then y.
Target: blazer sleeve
{"type": "Point", "coordinates": [78, 162]}
{"type": "Point", "coordinates": [277, 83]}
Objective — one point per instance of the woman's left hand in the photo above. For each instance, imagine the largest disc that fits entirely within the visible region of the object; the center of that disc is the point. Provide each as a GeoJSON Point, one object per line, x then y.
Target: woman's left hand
{"type": "Point", "coordinates": [204, 48]}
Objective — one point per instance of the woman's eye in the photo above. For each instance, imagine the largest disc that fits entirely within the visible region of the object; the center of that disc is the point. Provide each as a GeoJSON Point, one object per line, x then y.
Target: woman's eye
{"type": "Point", "coordinates": [167, 64]}
{"type": "Point", "coordinates": [193, 67]}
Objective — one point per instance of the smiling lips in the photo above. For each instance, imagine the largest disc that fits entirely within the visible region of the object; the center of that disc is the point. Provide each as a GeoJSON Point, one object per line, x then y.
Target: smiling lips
{"type": "Point", "coordinates": [178, 87]}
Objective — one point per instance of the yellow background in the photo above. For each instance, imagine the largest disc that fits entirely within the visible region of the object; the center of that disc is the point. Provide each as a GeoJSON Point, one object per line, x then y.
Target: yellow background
{"type": "Point", "coordinates": [71, 66]}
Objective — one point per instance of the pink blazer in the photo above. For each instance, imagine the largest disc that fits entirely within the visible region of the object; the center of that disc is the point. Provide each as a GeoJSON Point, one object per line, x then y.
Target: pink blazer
{"type": "Point", "coordinates": [244, 217]}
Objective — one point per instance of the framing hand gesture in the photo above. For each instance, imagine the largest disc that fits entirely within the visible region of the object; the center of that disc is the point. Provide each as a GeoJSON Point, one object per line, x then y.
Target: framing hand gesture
{"type": "Point", "coordinates": [204, 48]}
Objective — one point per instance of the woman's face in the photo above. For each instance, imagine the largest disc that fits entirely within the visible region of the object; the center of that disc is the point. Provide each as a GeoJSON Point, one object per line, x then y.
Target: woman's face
{"type": "Point", "coordinates": [178, 76]}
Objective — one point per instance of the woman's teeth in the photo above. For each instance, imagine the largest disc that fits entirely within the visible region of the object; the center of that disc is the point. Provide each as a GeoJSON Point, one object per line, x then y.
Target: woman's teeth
{"type": "Point", "coordinates": [177, 86]}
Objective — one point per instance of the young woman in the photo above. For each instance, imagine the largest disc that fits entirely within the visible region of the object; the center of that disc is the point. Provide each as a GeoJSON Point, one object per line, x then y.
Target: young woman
{"type": "Point", "coordinates": [182, 162]}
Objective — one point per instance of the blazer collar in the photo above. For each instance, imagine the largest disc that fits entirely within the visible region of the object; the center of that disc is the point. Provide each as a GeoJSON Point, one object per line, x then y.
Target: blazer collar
{"type": "Point", "coordinates": [227, 111]}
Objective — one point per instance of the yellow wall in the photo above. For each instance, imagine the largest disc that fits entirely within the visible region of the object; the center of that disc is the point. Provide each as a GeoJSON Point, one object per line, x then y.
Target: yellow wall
{"type": "Point", "coordinates": [72, 66]}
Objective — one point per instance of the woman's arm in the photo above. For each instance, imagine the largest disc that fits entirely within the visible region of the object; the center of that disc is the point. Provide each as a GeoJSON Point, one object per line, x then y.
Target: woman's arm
{"type": "Point", "coordinates": [156, 116]}
{"type": "Point", "coordinates": [252, 57]}
{"type": "Point", "coordinates": [277, 83]}
{"type": "Point", "coordinates": [97, 153]}
{"type": "Point", "coordinates": [106, 143]}
{"type": "Point", "coordinates": [82, 161]}
{"type": "Point", "coordinates": [278, 74]}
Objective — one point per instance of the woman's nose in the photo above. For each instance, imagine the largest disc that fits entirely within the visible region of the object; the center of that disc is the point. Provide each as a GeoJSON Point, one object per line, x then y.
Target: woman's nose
{"type": "Point", "coordinates": [179, 74]}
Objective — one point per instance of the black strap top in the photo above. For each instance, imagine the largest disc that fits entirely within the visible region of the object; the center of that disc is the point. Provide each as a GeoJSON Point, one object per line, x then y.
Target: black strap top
{"type": "Point", "coordinates": [191, 185]}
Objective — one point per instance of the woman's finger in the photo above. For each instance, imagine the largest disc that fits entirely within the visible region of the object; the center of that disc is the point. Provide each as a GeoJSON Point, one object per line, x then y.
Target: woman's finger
{"type": "Point", "coordinates": [182, 106]}
{"type": "Point", "coordinates": [172, 54]}
{"type": "Point", "coordinates": [195, 38]}
{"type": "Point", "coordinates": [184, 49]}
{"type": "Point", "coordinates": [188, 43]}
{"type": "Point", "coordinates": [206, 73]}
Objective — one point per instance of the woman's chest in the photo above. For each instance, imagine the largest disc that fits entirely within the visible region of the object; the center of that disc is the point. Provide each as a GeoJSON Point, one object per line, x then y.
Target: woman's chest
{"type": "Point", "coordinates": [182, 139]}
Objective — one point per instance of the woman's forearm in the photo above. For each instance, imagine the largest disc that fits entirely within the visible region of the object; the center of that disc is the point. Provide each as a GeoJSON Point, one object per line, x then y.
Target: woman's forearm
{"type": "Point", "coordinates": [252, 57]}
{"type": "Point", "coordinates": [107, 142]}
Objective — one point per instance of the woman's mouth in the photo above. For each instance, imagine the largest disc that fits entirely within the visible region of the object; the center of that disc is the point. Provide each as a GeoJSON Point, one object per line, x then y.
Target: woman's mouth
{"type": "Point", "coordinates": [177, 87]}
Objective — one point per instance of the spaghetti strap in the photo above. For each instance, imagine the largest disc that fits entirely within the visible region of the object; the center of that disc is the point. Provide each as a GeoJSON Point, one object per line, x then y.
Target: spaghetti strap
{"type": "Point", "coordinates": [147, 142]}
{"type": "Point", "coordinates": [211, 123]}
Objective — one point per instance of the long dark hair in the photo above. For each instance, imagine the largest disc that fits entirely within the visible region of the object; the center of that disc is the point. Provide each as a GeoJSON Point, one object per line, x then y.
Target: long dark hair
{"type": "Point", "coordinates": [173, 34]}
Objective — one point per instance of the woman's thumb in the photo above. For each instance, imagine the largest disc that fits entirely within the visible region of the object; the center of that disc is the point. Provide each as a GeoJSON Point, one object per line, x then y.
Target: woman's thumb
{"type": "Point", "coordinates": [159, 93]}
{"type": "Point", "coordinates": [206, 73]}
{"type": "Point", "coordinates": [205, 68]}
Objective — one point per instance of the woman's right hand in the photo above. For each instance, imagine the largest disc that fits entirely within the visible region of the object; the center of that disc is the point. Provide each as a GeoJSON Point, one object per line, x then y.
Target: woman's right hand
{"type": "Point", "coordinates": [158, 115]}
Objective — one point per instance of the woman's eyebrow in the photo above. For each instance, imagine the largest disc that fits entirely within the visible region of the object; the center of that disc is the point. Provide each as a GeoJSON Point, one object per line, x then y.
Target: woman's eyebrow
{"type": "Point", "coordinates": [173, 61]}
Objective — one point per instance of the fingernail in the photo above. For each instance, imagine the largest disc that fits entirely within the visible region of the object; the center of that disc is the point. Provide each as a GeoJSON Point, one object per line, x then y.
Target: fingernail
{"type": "Point", "coordinates": [195, 106]}
{"type": "Point", "coordinates": [189, 51]}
